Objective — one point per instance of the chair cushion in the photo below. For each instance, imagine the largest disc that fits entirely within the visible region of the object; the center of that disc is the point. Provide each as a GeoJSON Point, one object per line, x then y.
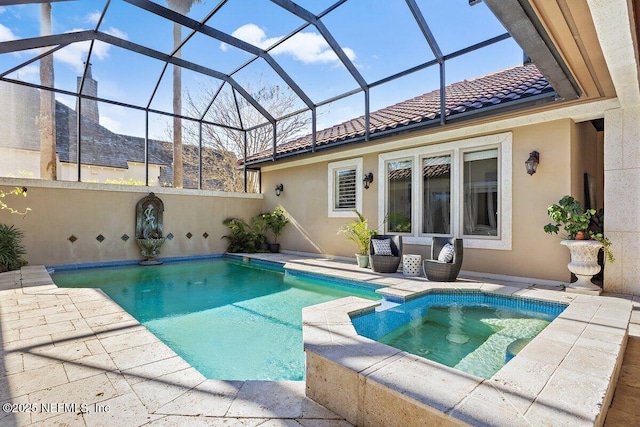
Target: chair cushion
{"type": "Point", "coordinates": [382, 247]}
{"type": "Point", "coordinates": [446, 254]}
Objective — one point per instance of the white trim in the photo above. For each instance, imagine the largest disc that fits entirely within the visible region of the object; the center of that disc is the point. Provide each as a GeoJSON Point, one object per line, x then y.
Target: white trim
{"type": "Point", "coordinates": [332, 167]}
{"type": "Point", "coordinates": [578, 112]}
{"type": "Point", "coordinates": [504, 143]}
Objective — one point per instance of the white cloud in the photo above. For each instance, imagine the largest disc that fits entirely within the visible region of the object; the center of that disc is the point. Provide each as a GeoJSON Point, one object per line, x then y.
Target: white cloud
{"type": "Point", "coordinates": [308, 48]}
{"type": "Point", "coordinates": [75, 54]}
{"type": "Point", "coordinates": [117, 33]}
{"type": "Point", "coordinates": [29, 73]}
{"type": "Point", "coordinates": [6, 34]}
{"type": "Point", "coordinates": [93, 17]}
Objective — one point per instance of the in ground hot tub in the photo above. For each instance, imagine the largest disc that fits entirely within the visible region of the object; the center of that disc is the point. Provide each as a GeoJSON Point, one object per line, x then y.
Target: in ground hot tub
{"type": "Point", "coordinates": [475, 332]}
{"type": "Point", "coordinates": [564, 376]}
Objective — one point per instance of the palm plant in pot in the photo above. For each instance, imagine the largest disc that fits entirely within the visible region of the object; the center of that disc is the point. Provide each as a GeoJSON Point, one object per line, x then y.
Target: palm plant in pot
{"type": "Point", "coordinates": [584, 244]}
{"type": "Point", "coordinates": [359, 233]}
{"type": "Point", "coordinates": [276, 222]}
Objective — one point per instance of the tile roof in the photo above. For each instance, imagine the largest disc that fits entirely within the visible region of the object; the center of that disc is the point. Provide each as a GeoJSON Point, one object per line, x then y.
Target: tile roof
{"type": "Point", "coordinates": [493, 89]}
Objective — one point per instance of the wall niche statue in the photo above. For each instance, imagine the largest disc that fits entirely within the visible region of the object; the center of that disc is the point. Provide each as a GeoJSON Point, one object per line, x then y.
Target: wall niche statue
{"type": "Point", "coordinates": [149, 228]}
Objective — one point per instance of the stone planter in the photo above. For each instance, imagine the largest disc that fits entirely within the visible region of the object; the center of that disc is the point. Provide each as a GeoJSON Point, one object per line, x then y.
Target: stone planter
{"type": "Point", "coordinates": [363, 260]}
{"type": "Point", "coordinates": [584, 264]}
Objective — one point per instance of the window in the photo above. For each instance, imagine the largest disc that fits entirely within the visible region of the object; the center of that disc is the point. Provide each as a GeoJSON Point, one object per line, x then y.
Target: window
{"type": "Point", "coordinates": [399, 196]}
{"type": "Point", "coordinates": [436, 195]}
{"type": "Point", "coordinates": [481, 193]}
{"type": "Point", "coordinates": [345, 189]}
{"type": "Point", "coordinates": [459, 189]}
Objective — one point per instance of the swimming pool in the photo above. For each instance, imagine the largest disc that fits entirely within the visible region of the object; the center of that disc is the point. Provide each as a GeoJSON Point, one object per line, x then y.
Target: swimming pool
{"type": "Point", "coordinates": [229, 319]}
{"type": "Point", "coordinates": [475, 332]}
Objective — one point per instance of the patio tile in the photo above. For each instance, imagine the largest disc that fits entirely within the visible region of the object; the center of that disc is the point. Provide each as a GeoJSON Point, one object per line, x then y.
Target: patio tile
{"type": "Point", "coordinates": [31, 381]}
{"type": "Point", "coordinates": [305, 422]}
{"type": "Point", "coordinates": [155, 369]}
{"type": "Point", "coordinates": [128, 340]}
{"type": "Point", "coordinates": [12, 363]}
{"type": "Point", "coordinates": [157, 392]}
{"type": "Point", "coordinates": [313, 410]}
{"type": "Point", "coordinates": [212, 398]}
{"type": "Point", "coordinates": [125, 410]}
{"type": "Point", "coordinates": [108, 320]}
{"type": "Point", "coordinates": [17, 418]}
{"type": "Point", "coordinates": [268, 399]}
{"type": "Point", "coordinates": [33, 310]}
{"type": "Point", "coordinates": [569, 399]}
{"type": "Point", "coordinates": [88, 366]}
{"type": "Point", "coordinates": [86, 391]}
{"type": "Point", "coordinates": [71, 419]}
{"type": "Point", "coordinates": [141, 355]}
{"type": "Point", "coordinates": [117, 328]}
{"type": "Point", "coordinates": [37, 331]}
{"type": "Point", "coordinates": [193, 421]}
{"type": "Point", "coordinates": [486, 406]}
{"type": "Point", "coordinates": [66, 315]}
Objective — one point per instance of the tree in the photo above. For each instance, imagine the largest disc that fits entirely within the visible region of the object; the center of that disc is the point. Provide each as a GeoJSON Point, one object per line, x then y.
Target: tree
{"type": "Point", "coordinates": [183, 7]}
{"type": "Point", "coordinates": [47, 119]}
{"type": "Point", "coordinates": [223, 146]}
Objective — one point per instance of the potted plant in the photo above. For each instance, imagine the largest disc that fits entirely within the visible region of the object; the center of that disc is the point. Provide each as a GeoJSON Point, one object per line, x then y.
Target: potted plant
{"type": "Point", "coordinates": [241, 238]}
{"type": "Point", "coordinates": [584, 244]}
{"type": "Point", "coordinates": [359, 233]}
{"type": "Point", "coordinates": [258, 227]}
{"type": "Point", "coordinates": [276, 222]}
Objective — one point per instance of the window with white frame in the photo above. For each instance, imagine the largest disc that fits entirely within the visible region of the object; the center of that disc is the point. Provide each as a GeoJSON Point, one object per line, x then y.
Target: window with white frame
{"type": "Point", "coordinates": [345, 195]}
{"type": "Point", "coordinates": [436, 195]}
{"type": "Point", "coordinates": [458, 189]}
{"type": "Point", "coordinates": [399, 196]}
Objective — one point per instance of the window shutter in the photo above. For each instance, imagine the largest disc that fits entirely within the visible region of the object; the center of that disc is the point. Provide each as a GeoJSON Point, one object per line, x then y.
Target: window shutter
{"type": "Point", "coordinates": [345, 194]}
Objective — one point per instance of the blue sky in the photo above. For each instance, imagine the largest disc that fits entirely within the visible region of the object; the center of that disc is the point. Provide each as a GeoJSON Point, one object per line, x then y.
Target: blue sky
{"type": "Point", "coordinates": [379, 36]}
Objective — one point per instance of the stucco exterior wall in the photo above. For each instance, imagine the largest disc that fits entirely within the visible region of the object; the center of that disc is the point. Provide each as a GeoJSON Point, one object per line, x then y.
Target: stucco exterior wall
{"type": "Point", "coordinates": [533, 254]}
{"type": "Point", "coordinates": [62, 209]}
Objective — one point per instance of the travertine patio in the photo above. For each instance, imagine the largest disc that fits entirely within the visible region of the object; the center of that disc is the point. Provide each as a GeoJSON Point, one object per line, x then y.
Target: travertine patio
{"type": "Point", "coordinates": [77, 347]}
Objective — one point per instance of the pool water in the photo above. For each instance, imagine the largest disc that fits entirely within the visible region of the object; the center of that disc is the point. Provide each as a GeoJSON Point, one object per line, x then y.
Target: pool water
{"type": "Point", "coordinates": [474, 332]}
{"type": "Point", "coordinates": [228, 319]}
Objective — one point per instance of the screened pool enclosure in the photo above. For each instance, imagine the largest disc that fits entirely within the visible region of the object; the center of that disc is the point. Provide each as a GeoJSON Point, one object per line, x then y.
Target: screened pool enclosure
{"type": "Point", "coordinates": [186, 93]}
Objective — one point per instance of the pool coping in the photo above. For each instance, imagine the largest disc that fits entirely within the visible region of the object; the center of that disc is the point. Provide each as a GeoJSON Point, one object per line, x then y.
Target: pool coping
{"type": "Point", "coordinates": [565, 376]}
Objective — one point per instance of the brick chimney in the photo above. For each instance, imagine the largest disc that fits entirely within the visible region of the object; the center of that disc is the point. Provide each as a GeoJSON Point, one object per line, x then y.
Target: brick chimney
{"type": "Point", "coordinates": [90, 88]}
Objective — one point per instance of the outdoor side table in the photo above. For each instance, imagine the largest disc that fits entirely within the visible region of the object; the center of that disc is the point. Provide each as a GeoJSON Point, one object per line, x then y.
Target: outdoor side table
{"type": "Point", "coordinates": [411, 265]}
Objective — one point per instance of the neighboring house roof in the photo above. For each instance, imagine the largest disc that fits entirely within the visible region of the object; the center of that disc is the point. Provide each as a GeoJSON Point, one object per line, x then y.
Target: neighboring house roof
{"type": "Point", "coordinates": [100, 146]}
{"type": "Point", "coordinates": [490, 90]}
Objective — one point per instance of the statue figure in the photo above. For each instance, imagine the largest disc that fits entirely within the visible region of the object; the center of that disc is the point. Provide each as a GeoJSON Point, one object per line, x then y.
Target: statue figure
{"type": "Point", "coordinates": [149, 228]}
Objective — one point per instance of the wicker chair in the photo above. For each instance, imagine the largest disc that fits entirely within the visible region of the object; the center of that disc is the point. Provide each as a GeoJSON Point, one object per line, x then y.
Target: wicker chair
{"type": "Point", "coordinates": [386, 263]}
{"type": "Point", "coordinates": [438, 271]}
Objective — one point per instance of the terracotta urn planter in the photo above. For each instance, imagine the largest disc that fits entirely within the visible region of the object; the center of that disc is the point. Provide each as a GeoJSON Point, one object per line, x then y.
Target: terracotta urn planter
{"type": "Point", "coordinates": [584, 264]}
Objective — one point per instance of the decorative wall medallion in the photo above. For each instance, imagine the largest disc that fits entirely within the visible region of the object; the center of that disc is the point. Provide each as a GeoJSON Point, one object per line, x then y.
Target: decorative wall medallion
{"type": "Point", "coordinates": [189, 235]}
{"type": "Point", "coordinates": [100, 238]}
{"type": "Point", "coordinates": [125, 237]}
{"type": "Point", "coordinates": [205, 235]}
{"type": "Point", "coordinates": [72, 238]}
{"type": "Point", "coordinates": [170, 236]}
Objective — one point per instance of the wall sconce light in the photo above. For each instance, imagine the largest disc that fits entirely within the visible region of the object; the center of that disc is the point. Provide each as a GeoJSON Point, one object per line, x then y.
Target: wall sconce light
{"type": "Point", "coordinates": [368, 179]}
{"type": "Point", "coordinates": [532, 162]}
{"type": "Point", "coordinates": [279, 189]}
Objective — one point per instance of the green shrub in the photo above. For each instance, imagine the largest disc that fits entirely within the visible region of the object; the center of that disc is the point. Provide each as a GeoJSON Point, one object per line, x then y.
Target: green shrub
{"type": "Point", "coordinates": [242, 237]}
{"type": "Point", "coordinates": [11, 249]}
